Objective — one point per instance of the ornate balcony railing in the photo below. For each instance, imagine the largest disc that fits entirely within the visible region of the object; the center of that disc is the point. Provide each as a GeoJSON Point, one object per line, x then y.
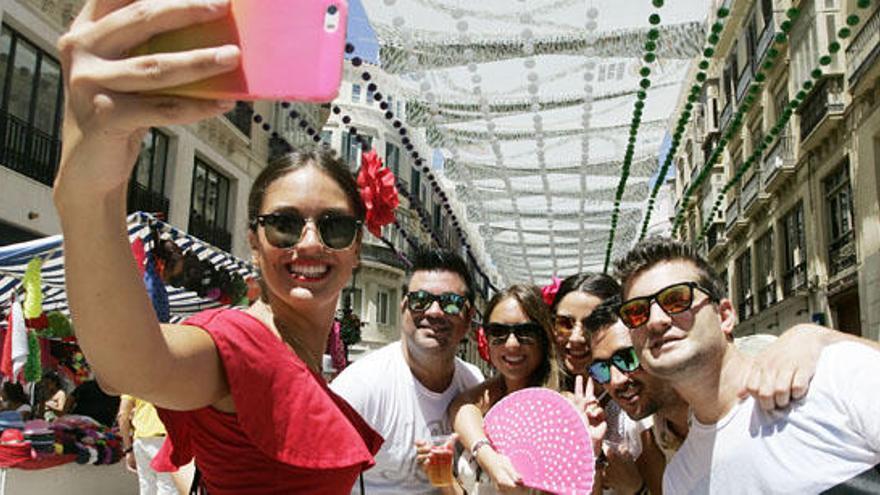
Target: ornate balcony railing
{"type": "Point", "coordinates": [726, 115]}
{"type": "Point", "coordinates": [864, 49]}
{"type": "Point", "coordinates": [28, 150]}
{"type": "Point", "coordinates": [142, 199]}
{"type": "Point", "coordinates": [714, 236]}
{"type": "Point", "coordinates": [732, 213]}
{"type": "Point", "coordinates": [743, 82]}
{"type": "Point", "coordinates": [764, 42]}
{"type": "Point", "coordinates": [826, 98]}
{"type": "Point", "coordinates": [842, 253]}
{"type": "Point", "coordinates": [780, 156]}
{"type": "Point", "coordinates": [750, 189]}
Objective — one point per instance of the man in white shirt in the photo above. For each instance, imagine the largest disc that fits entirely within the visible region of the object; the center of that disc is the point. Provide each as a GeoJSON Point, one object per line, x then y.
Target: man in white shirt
{"type": "Point", "coordinates": [404, 389]}
{"type": "Point", "coordinates": [681, 323]}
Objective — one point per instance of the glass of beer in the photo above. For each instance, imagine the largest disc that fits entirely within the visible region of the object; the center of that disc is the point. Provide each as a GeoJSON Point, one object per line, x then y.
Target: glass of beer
{"type": "Point", "coordinates": [440, 467]}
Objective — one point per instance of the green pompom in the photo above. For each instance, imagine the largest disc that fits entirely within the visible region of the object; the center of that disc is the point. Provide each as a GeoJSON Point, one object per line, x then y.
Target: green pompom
{"type": "Point", "coordinates": [33, 371]}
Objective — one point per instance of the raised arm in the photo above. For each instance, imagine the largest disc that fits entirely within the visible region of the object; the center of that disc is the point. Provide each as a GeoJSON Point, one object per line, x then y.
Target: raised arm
{"type": "Point", "coordinates": [782, 372]}
{"type": "Point", "coordinates": [105, 120]}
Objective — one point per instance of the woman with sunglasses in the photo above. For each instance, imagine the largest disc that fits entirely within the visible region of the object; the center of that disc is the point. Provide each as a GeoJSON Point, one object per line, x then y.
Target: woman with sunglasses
{"type": "Point", "coordinates": [241, 391]}
{"type": "Point", "coordinates": [576, 299]}
{"type": "Point", "coordinates": [518, 330]}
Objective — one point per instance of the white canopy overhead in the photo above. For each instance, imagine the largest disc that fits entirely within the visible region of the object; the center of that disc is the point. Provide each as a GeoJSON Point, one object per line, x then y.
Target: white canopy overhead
{"type": "Point", "coordinates": [531, 102]}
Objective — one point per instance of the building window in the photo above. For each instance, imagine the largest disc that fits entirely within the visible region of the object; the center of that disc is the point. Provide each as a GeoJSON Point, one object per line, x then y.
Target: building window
{"type": "Point", "coordinates": [30, 110]}
{"type": "Point", "coordinates": [795, 249]}
{"type": "Point", "coordinates": [352, 147]}
{"type": "Point", "coordinates": [370, 94]}
{"type": "Point", "coordinates": [416, 184]}
{"type": "Point", "coordinates": [838, 206]}
{"type": "Point", "coordinates": [355, 93]}
{"type": "Point", "coordinates": [392, 158]}
{"type": "Point", "coordinates": [766, 272]}
{"type": "Point", "coordinates": [327, 137]}
{"type": "Point", "coordinates": [146, 191]}
{"type": "Point", "coordinates": [209, 206]}
{"type": "Point", "coordinates": [383, 307]}
{"type": "Point", "coordinates": [744, 286]}
{"type": "Point", "coordinates": [241, 117]}
{"type": "Point", "coordinates": [438, 220]}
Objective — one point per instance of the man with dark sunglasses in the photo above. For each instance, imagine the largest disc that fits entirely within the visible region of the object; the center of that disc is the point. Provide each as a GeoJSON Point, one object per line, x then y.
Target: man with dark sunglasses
{"type": "Point", "coordinates": [404, 389]}
{"type": "Point", "coordinates": [681, 326]}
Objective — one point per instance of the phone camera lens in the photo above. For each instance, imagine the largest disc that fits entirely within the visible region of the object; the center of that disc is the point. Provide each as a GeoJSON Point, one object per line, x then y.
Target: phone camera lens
{"type": "Point", "coordinates": [332, 10]}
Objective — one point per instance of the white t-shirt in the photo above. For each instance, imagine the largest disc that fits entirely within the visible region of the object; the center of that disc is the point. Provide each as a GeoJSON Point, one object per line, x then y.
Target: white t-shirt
{"type": "Point", "coordinates": [384, 391]}
{"type": "Point", "coordinates": [829, 439]}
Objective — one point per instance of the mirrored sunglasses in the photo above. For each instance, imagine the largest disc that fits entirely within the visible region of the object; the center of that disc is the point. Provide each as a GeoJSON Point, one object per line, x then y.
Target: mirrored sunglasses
{"type": "Point", "coordinates": [626, 360]}
{"type": "Point", "coordinates": [450, 302]}
{"type": "Point", "coordinates": [674, 299]}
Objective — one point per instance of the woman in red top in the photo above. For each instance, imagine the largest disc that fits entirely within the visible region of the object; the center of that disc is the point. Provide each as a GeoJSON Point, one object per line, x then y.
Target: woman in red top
{"type": "Point", "coordinates": [240, 391]}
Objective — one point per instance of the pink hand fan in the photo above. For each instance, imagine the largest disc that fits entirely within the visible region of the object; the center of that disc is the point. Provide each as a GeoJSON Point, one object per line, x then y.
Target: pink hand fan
{"type": "Point", "coordinates": [545, 438]}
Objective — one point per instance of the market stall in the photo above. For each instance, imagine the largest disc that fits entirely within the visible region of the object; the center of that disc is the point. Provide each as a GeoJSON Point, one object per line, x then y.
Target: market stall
{"type": "Point", "coordinates": [183, 275]}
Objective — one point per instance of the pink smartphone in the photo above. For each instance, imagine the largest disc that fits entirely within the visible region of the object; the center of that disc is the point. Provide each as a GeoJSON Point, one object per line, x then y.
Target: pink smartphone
{"type": "Point", "coordinates": [291, 50]}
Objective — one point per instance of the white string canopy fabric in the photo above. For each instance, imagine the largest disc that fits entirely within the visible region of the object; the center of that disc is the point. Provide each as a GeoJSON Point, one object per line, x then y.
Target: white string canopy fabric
{"type": "Point", "coordinates": [530, 103]}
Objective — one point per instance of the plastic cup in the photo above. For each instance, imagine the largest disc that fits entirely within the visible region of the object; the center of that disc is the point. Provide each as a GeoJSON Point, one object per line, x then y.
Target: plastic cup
{"type": "Point", "coordinates": [440, 467]}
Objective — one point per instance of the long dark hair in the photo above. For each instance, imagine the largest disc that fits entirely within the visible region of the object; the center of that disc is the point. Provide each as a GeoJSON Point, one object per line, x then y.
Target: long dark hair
{"type": "Point", "coordinates": [322, 159]}
{"type": "Point", "coordinates": [596, 284]}
{"type": "Point", "coordinates": [529, 299]}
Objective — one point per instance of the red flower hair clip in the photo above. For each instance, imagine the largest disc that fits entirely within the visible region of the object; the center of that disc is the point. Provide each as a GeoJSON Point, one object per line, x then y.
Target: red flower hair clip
{"type": "Point", "coordinates": [548, 292]}
{"type": "Point", "coordinates": [483, 344]}
{"type": "Point", "coordinates": [378, 192]}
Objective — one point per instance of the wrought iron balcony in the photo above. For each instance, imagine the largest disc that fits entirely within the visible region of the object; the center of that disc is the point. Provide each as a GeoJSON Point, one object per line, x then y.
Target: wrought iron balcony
{"type": "Point", "coordinates": [767, 296]}
{"type": "Point", "coordinates": [743, 82]}
{"type": "Point", "coordinates": [732, 213]}
{"type": "Point", "coordinates": [763, 45]}
{"type": "Point", "coordinates": [842, 253]}
{"type": "Point", "coordinates": [381, 254]}
{"type": "Point", "coordinates": [726, 115]}
{"type": "Point", "coordinates": [142, 199]}
{"type": "Point", "coordinates": [794, 279]}
{"type": "Point", "coordinates": [779, 163]}
{"type": "Point", "coordinates": [825, 100]}
{"type": "Point", "coordinates": [715, 240]}
{"type": "Point", "coordinates": [28, 150]}
{"type": "Point", "coordinates": [863, 50]}
{"type": "Point", "coordinates": [750, 190]}
{"type": "Point", "coordinates": [217, 236]}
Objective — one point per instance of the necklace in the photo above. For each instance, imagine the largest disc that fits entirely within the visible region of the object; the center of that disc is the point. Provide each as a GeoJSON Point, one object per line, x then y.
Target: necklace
{"type": "Point", "coordinates": [289, 338]}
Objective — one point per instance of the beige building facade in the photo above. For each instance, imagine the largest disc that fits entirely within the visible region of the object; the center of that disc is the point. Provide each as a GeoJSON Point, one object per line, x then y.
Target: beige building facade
{"type": "Point", "coordinates": [797, 237]}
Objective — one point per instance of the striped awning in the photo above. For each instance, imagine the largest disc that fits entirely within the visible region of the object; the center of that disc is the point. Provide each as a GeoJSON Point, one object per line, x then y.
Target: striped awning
{"type": "Point", "coordinates": [15, 258]}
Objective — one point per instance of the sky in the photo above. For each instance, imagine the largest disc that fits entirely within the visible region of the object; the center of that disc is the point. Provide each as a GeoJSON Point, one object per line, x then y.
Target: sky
{"type": "Point", "coordinates": [361, 34]}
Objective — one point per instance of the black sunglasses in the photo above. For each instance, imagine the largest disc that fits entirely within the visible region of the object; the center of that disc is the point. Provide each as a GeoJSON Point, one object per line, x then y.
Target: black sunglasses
{"type": "Point", "coordinates": [450, 302]}
{"type": "Point", "coordinates": [674, 299]}
{"type": "Point", "coordinates": [526, 333]}
{"type": "Point", "coordinates": [626, 360]}
{"type": "Point", "coordinates": [285, 230]}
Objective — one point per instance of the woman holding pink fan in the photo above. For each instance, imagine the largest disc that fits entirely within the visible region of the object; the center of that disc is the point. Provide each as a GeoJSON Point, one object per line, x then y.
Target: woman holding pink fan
{"type": "Point", "coordinates": [519, 336]}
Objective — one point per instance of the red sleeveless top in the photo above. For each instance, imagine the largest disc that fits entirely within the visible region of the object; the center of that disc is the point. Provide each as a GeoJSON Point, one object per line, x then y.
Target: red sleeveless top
{"type": "Point", "coordinates": [289, 434]}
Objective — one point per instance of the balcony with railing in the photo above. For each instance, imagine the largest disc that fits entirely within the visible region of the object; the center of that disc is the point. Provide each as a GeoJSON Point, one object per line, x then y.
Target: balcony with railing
{"type": "Point", "coordinates": [715, 240]}
{"type": "Point", "coordinates": [763, 45]}
{"type": "Point", "coordinates": [732, 214]}
{"type": "Point", "coordinates": [142, 199]}
{"type": "Point", "coordinates": [754, 198]}
{"type": "Point", "coordinates": [726, 115]}
{"type": "Point", "coordinates": [767, 296]}
{"type": "Point", "coordinates": [842, 253]}
{"type": "Point", "coordinates": [864, 50]}
{"type": "Point", "coordinates": [217, 236]}
{"type": "Point", "coordinates": [28, 150]}
{"type": "Point", "coordinates": [743, 82]}
{"type": "Point", "coordinates": [779, 163]}
{"type": "Point", "coordinates": [381, 254]}
{"type": "Point", "coordinates": [794, 279]}
{"type": "Point", "coordinates": [824, 103]}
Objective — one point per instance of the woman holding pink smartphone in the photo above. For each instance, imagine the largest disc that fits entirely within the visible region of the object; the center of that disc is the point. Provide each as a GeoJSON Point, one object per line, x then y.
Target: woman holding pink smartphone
{"type": "Point", "coordinates": [240, 391]}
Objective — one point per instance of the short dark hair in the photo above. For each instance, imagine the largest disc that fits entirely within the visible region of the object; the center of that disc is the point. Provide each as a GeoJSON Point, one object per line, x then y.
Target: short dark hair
{"type": "Point", "coordinates": [427, 260]}
{"type": "Point", "coordinates": [596, 284]}
{"type": "Point", "coordinates": [603, 316]}
{"type": "Point", "coordinates": [656, 249]}
{"type": "Point", "coordinates": [14, 392]}
{"type": "Point", "coordinates": [324, 160]}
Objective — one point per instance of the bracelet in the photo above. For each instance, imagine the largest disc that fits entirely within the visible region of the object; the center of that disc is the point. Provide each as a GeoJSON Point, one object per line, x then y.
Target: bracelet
{"type": "Point", "coordinates": [483, 442]}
